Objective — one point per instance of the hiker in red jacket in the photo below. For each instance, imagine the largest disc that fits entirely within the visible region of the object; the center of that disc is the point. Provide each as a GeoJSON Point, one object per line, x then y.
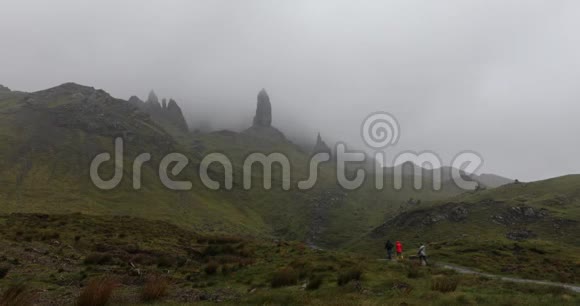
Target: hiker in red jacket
{"type": "Point", "coordinates": [399, 247]}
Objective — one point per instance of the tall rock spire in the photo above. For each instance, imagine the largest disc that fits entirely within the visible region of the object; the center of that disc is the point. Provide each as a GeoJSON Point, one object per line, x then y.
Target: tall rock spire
{"type": "Point", "coordinates": [152, 98]}
{"type": "Point", "coordinates": [321, 146]}
{"type": "Point", "coordinates": [153, 102]}
{"type": "Point", "coordinates": [263, 116]}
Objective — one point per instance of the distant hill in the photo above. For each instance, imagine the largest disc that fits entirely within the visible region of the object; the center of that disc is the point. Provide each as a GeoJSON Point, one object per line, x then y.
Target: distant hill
{"type": "Point", "coordinates": [485, 180]}
{"type": "Point", "coordinates": [491, 180]}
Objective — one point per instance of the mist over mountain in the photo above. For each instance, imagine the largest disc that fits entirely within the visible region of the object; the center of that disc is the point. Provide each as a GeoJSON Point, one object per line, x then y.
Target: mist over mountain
{"type": "Point", "coordinates": [258, 152]}
{"type": "Point", "coordinates": [454, 80]}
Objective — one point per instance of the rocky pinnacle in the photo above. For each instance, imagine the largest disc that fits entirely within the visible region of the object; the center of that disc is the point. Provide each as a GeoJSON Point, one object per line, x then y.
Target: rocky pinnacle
{"type": "Point", "coordinates": [321, 146]}
{"type": "Point", "coordinates": [152, 97]}
{"type": "Point", "coordinates": [263, 116]}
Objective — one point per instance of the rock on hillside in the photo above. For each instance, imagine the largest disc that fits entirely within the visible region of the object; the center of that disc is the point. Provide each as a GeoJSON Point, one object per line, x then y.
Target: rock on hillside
{"type": "Point", "coordinates": [153, 101]}
{"type": "Point", "coordinates": [263, 116]}
{"type": "Point", "coordinates": [94, 111]}
{"type": "Point", "coordinates": [321, 146]}
{"type": "Point", "coordinates": [173, 112]}
{"type": "Point", "coordinates": [262, 127]}
{"type": "Point", "coordinates": [168, 115]}
{"type": "Point", "coordinates": [50, 137]}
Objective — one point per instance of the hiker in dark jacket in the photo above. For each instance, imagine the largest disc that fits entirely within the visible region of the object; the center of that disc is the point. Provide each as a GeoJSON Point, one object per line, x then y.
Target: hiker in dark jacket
{"type": "Point", "coordinates": [389, 246]}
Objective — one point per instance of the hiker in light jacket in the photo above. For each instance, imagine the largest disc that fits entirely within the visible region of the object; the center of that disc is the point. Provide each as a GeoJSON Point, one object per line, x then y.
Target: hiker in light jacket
{"type": "Point", "coordinates": [422, 254]}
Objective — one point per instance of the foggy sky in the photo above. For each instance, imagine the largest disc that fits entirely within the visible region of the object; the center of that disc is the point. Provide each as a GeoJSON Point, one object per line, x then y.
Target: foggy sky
{"type": "Point", "coordinates": [497, 77]}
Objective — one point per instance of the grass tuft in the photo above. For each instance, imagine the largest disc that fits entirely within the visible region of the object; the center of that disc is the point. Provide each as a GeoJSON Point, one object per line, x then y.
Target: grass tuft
{"type": "Point", "coordinates": [17, 295]}
{"type": "Point", "coordinates": [314, 283]}
{"type": "Point", "coordinates": [444, 284]}
{"type": "Point", "coordinates": [98, 259]}
{"type": "Point", "coordinates": [155, 288]}
{"type": "Point", "coordinates": [211, 268]}
{"type": "Point", "coordinates": [98, 292]}
{"type": "Point", "coordinates": [284, 277]}
{"type": "Point", "coordinates": [350, 275]}
{"type": "Point", "coordinates": [4, 271]}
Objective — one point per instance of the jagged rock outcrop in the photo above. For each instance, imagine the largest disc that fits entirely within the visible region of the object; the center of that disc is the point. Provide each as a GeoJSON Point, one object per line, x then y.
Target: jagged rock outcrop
{"type": "Point", "coordinates": [321, 146]}
{"type": "Point", "coordinates": [458, 213]}
{"type": "Point", "coordinates": [263, 116]}
{"type": "Point", "coordinates": [93, 111]}
{"type": "Point", "coordinates": [4, 88]}
{"type": "Point", "coordinates": [453, 212]}
{"type": "Point", "coordinates": [520, 214]}
{"type": "Point", "coordinates": [152, 98]}
{"type": "Point", "coordinates": [152, 101]}
{"type": "Point", "coordinates": [164, 113]}
{"type": "Point", "coordinates": [173, 112]}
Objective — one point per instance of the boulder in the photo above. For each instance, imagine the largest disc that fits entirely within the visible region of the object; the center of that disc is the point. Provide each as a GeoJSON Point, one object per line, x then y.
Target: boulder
{"type": "Point", "coordinates": [458, 213]}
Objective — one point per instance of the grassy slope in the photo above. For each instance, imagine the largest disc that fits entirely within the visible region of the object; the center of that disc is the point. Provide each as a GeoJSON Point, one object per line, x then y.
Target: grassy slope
{"type": "Point", "coordinates": [56, 257]}
{"type": "Point", "coordinates": [44, 167]}
{"type": "Point", "coordinates": [346, 214]}
{"type": "Point", "coordinates": [481, 241]}
{"type": "Point", "coordinates": [48, 138]}
{"type": "Point", "coordinates": [561, 195]}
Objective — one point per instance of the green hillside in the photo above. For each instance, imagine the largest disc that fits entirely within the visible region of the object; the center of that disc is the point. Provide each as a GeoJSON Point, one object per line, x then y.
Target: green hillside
{"type": "Point", "coordinates": [530, 229]}
{"type": "Point", "coordinates": [76, 259]}
{"type": "Point", "coordinates": [48, 139]}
